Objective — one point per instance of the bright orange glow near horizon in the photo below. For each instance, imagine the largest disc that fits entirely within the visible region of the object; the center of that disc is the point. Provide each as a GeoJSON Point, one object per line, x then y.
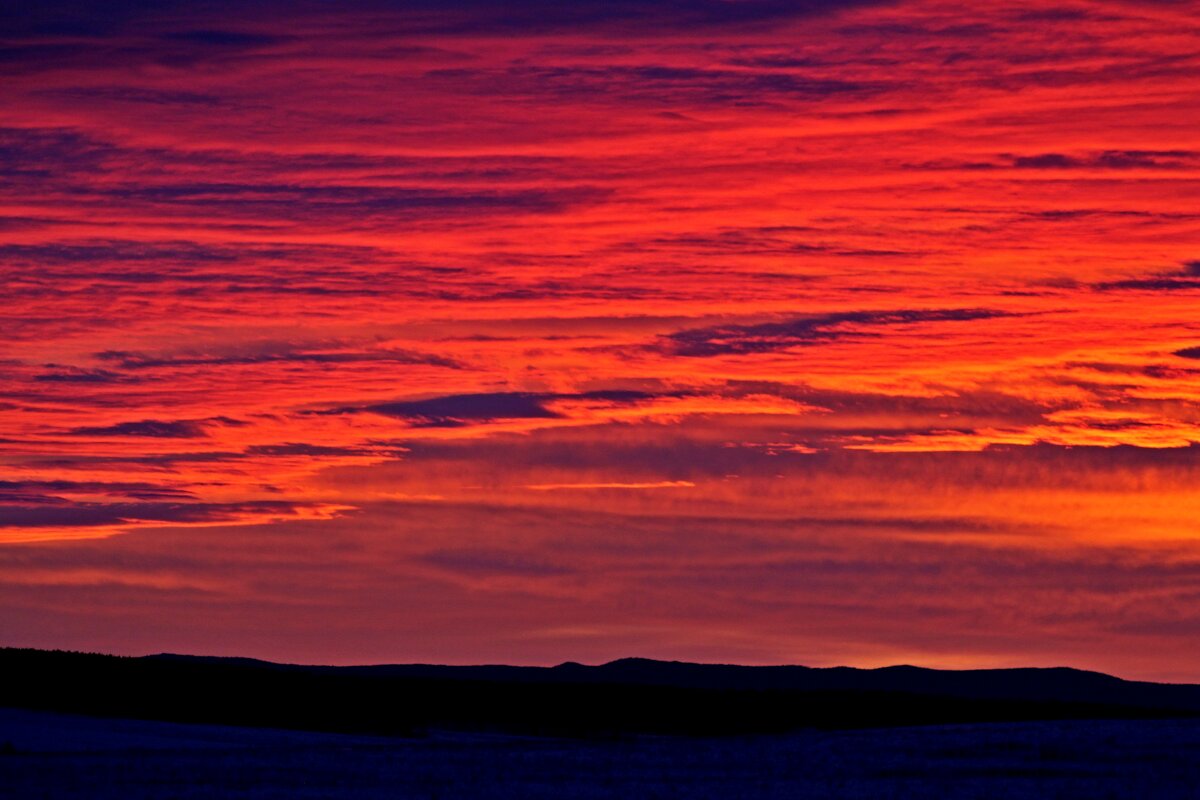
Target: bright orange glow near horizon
{"type": "Point", "coordinates": [814, 332]}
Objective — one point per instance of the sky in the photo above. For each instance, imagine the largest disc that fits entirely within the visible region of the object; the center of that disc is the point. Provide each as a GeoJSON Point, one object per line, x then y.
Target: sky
{"type": "Point", "coordinates": [746, 331]}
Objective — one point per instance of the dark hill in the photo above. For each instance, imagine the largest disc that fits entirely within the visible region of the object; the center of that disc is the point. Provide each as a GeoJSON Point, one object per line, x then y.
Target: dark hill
{"type": "Point", "coordinates": [628, 696]}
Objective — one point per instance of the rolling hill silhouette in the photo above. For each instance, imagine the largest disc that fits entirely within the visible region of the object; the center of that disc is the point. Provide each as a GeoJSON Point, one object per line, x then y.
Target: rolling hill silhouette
{"type": "Point", "coordinates": [628, 696]}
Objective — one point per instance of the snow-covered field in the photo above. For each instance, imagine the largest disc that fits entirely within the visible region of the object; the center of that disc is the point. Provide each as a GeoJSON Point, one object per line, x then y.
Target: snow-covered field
{"type": "Point", "coordinates": [55, 756]}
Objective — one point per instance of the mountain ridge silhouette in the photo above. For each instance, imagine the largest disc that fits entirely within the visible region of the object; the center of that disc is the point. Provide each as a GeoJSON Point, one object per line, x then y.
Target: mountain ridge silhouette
{"type": "Point", "coordinates": [625, 696]}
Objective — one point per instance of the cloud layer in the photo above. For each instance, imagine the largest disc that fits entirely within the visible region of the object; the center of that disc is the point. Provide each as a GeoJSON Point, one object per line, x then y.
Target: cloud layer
{"type": "Point", "coordinates": [770, 331]}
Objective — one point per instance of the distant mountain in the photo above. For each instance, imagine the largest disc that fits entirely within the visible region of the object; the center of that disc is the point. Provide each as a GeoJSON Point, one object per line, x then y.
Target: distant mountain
{"type": "Point", "coordinates": [1055, 683]}
{"type": "Point", "coordinates": [628, 696]}
{"type": "Point", "coordinates": [1029, 683]}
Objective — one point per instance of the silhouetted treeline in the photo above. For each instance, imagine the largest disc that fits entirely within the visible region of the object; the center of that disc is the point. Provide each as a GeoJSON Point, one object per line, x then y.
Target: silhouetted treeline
{"type": "Point", "coordinates": [631, 696]}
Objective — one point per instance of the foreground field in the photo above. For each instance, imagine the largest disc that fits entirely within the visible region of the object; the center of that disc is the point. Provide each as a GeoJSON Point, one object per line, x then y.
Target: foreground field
{"type": "Point", "coordinates": [62, 756]}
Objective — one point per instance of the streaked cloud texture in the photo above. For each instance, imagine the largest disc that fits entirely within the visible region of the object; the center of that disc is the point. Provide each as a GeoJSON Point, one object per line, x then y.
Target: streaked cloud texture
{"type": "Point", "coordinates": [820, 332]}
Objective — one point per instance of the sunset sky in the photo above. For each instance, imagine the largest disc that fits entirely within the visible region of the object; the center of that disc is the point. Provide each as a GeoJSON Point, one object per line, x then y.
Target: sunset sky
{"type": "Point", "coordinates": [760, 331]}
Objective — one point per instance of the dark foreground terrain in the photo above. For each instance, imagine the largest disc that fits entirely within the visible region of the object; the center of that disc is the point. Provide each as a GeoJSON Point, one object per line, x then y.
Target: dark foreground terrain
{"type": "Point", "coordinates": [630, 697]}
{"type": "Point", "coordinates": [94, 726]}
{"type": "Point", "coordinates": [62, 756]}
